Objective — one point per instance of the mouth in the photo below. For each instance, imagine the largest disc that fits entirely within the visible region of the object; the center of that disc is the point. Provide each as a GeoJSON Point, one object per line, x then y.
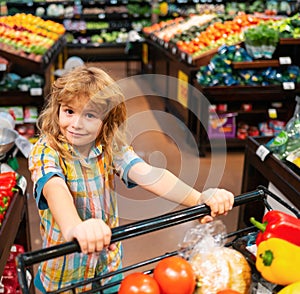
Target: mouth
{"type": "Point", "coordinates": [75, 134]}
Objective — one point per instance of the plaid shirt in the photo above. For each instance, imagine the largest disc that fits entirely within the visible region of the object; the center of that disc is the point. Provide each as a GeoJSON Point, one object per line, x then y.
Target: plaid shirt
{"type": "Point", "coordinates": [92, 187]}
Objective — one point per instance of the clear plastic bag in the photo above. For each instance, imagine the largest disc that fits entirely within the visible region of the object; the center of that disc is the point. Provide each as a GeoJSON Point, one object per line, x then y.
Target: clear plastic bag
{"type": "Point", "coordinates": [216, 267]}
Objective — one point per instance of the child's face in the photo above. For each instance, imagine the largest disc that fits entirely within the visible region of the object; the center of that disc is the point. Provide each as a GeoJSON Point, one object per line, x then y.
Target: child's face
{"type": "Point", "coordinates": [80, 124]}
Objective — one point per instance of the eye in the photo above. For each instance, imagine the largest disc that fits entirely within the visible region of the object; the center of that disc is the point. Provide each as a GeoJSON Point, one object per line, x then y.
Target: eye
{"type": "Point", "coordinates": [90, 115]}
{"type": "Point", "coordinates": [69, 111]}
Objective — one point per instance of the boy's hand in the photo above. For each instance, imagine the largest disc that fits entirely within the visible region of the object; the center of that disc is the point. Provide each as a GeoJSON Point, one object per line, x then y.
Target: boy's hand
{"type": "Point", "coordinates": [92, 235]}
{"type": "Point", "coordinates": [220, 201]}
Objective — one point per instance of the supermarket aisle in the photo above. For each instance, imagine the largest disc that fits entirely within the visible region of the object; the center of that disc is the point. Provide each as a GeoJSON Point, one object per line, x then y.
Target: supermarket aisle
{"type": "Point", "coordinates": [159, 149]}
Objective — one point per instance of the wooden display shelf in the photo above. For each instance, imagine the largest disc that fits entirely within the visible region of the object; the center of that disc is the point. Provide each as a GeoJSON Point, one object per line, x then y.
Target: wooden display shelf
{"type": "Point", "coordinates": [17, 98]}
{"type": "Point", "coordinates": [257, 172]}
{"type": "Point", "coordinates": [31, 65]}
{"type": "Point", "coordinates": [204, 58]}
{"type": "Point", "coordinates": [187, 58]}
{"type": "Point", "coordinates": [10, 227]}
{"type": "Point", "coordinates": [289, 41]}
{"type": "Point", "coordinates": [106, 52]}
{"type": "Point", "coordinates": [232, 142]}
{"type": "Point", "coordinates": [256, 64]}
{"type": "Point", "coordinates": [243, 93]}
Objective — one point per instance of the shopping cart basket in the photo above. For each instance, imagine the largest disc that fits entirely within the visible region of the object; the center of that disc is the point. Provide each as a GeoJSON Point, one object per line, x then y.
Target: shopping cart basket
{"type": "Point", "coordinates": [138, 228]}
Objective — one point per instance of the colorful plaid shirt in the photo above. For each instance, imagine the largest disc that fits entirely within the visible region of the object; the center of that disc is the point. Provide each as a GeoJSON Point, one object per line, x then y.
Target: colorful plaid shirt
{"type": "Point", "coordinates": [92, 187]}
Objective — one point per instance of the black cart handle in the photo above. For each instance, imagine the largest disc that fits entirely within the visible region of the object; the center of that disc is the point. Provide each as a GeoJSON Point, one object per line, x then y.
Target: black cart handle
{"type": "Point", "coordinates": [127, 231]}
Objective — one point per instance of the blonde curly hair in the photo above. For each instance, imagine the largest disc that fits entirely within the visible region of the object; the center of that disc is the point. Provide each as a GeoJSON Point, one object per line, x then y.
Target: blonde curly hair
{"type": "Point", "coordinates": [86, 85]}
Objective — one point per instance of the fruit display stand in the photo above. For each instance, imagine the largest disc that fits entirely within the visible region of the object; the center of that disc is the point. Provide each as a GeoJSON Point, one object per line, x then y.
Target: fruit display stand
{"type": "Point", "coordinates": [158, 58]}
{"type": "Point", "coordinates": [260, 171]}
{"type": "Point", "coordinates": [260, 98]}
{"type": "Point", "coordinates": [32, 46]}
{"type": "Point", "coordinates": [15, 226]}
{"type": "Point", "coordinates": [96, 31]}
{"type": "Point", "coordinates": [25, 66]}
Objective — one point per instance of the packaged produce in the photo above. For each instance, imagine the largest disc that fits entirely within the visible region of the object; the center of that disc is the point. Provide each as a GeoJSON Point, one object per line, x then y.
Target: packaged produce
{"type": "Point", "coordinates": [261, 41]}
{"type": "Point", "coordinates": [278, 261]}
{"type": "Point", "coordinates": [216, 267]}
{"type": "Point", "coordinates": [288, 139]}
{"type": "Point", "coordinates": [278, 224]}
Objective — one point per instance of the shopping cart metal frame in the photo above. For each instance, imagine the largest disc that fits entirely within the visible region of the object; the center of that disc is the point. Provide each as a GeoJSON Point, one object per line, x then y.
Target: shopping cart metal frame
{"type": "Point", "coordinates": [135, 229]}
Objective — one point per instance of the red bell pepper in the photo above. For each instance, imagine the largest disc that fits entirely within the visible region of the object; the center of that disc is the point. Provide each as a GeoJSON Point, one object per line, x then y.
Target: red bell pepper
{"type": "Point", "coordinates": [8, 175]}
{"type": "Point", "coordinates": [7, 190]}
{"type": "Point", "coordinates": [278, 224]}
{"type": "Point", "coordinates": [8, 181]}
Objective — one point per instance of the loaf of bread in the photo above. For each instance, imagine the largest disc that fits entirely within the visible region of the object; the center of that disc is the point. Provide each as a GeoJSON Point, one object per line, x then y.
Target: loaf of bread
{"type": "Point", "coordinates": [221, 268]}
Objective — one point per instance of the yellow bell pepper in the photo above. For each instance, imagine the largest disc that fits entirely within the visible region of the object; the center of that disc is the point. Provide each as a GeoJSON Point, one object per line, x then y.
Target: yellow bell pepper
{"type": "Point", "coordinates": [293, 288]}
{"type": "Point", "coordinates": [278, 261]}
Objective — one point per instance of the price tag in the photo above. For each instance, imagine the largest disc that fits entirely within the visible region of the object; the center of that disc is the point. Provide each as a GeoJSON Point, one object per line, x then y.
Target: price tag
{"type": "Point", "coordinates": [285, 60]}
{"type": "Point", "coordinates": [113, 2]}
{"type": "Point", "coordinates": [288, 86]}
{"type": "Point", "coordinates": [190, 59]}
{"type": "Point", "coordinates": [3, 67]}
{"type": "Point", "coordinates": [262, 152]}
{"type": "Point", "coordinates": [124, 15]}
{"type": "Point", "coordinates": [22, 184]}
{"type": "Point", "coordinates": [252, 249]}
{"type": "Point", "coordinates": [174, 50]}
{"type": "Point", "coordinates": [101, 15]}
{"type": "Point", "coordinates": [36, 91]}
{"type": "Point", "coordinates": [182, 55]}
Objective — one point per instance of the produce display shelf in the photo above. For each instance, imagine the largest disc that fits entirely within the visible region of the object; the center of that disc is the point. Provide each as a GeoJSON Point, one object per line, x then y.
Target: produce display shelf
{"type": "Point", "coordinates": [10, 226]}
{"type": "Point", "coordinates": [97, 45]}
{"type": "Point", "coordinates": [34, 63]}
{"type": "Point", "coordinates": [289, 41]}
{"type": "Point", "coordinates": [17, 98]}
{"type": "Point", "coordinates": [268, 93]}
{"type": "Point", "coordinates": [256, 64]}
{"type": "Point", "coordinates": [204, 58]}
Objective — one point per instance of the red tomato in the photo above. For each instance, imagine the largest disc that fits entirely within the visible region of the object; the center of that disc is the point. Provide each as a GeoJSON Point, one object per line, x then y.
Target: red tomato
{"type": "Point", "coordinates": [228, 291]}
{"type": "Point", "coordinates": [175, 275]}
{"type": "Point", "coordinates": [139, 283]}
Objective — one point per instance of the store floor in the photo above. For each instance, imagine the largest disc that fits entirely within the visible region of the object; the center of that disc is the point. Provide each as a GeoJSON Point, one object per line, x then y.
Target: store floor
{"type": "Point", "coordinates": [163, 149]}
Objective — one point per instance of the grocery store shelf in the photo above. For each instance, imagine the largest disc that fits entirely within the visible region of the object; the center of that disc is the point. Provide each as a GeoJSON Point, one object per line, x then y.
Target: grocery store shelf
{"type": "Point", "coordinates": [289, 41]}
{"type": "Point", "coordinates": [256, 64]}
{"type": "Point", "coordinates": [244, 93]}
{"type": "Point", "coordinates": [17, 98]}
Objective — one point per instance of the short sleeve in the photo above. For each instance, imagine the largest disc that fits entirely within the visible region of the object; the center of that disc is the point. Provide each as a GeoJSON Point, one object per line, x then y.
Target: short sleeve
{"type": "Point", "coordinates": [43, 164]}
{"type": "Point", "coordinates": [123, 161]}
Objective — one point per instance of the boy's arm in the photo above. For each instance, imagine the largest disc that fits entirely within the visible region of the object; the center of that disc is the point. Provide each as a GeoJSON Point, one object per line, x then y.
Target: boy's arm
{"type": "Point", "coordinates": [165, 184]}
{"type": "Point", "coordinates": [92, 234]}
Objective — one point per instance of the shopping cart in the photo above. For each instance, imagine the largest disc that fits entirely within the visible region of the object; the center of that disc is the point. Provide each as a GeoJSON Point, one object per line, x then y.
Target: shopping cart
{"type": "Point", "coordinates": [239, 240]}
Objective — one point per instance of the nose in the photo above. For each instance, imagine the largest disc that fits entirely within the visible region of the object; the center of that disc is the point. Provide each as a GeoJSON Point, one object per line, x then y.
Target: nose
{"type": "Point", "coordinates": [77, 122]}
